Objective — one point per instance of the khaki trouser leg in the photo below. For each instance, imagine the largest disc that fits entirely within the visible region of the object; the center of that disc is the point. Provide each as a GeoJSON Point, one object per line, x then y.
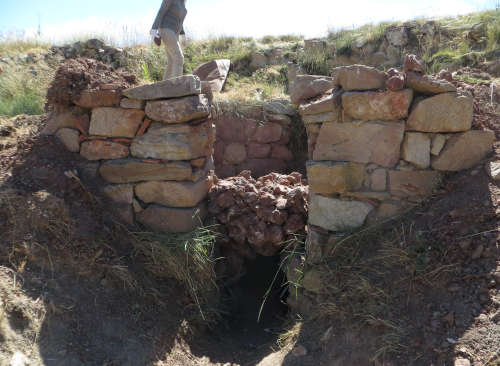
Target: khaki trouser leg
{"type": "Point", "coordinates": [175, 57]}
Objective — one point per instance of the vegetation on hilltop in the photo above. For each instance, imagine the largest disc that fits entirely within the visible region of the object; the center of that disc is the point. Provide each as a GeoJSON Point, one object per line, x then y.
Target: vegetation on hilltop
{"type": "Point", "coordinates": [24, 79]}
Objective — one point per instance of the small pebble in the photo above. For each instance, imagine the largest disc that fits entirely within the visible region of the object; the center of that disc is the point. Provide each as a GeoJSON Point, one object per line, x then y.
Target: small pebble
{"type": "Point", "coordinates": [462, 362]}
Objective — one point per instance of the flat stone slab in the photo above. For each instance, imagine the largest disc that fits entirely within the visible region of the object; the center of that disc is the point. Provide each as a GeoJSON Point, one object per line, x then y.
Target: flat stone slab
{"type": "Point", "coordinates": [308, 86]}
{"type": "Point", "coordinates": [178, 110]}
{"type": "Point", "coordinates": [134, 170]}
{"type": "Point", "coordinates": [371, 106]}
{"type": "Point", "coordinates": [360, 77]}
{"type": "Point", "coordinates": [327, 117]}
{"type": "Point", "coordinates": [115, 122]}
{"type": "Point", "coordinates": [173, 194]}
{"type": "Point", "coordinates": [445, 112]}
{"type": "Point", "coordinates": [465, 150]}
{"type": "Point", "coordinates": [428, 85]}
{"type": "Point", "coordinates": [324, 104]}
{"type": "Point", "coordinates": [173, 220]}
{"type": "Point", "coordinates": [417, 149]}
{"type": "Point", "coordinates": [103, 150]}
{"type": "Point", "coordinates": [171, 88]}
{"type": "Point", "coordinates": [413, 184]}
{"type": "Point", "coordinates": [368, 142]}
{"type": "Point", "coordinates": [175, 142]}
{"type": "Point", "coordinates": [329, 178]}
{"type": "Point", "coordinates": [98, 98]}
{"type": "Point", "coordinates": [279, 107]}
{"type": "Point", "coordinates": [337, 215]}
{"type": "Point", "coordinates": [214, 73]}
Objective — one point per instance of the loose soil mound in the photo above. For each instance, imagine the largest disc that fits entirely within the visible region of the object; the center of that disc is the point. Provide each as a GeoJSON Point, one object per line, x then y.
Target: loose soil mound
{"type": "Point", "coordinates": [74, 76]}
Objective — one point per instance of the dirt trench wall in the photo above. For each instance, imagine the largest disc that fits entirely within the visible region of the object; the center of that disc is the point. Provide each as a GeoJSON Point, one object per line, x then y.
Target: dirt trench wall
{"type": "Point", "coordinates": [151, 144]}
{"type": "Point", "coordinates": [379, 143]}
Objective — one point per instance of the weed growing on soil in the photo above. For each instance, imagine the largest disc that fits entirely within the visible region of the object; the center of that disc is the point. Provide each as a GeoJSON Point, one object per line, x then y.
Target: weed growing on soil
{"type": "Point", "coordinates": [371, 273]}
{"type": "Point", "coordinates": [188, 258]}
{"type": "Point", "coordinates": [23, 92]}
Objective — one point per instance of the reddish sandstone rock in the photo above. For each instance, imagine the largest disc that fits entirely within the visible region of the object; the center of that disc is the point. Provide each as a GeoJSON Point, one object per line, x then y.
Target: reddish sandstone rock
{"type": "Point", "coordinates": [413, 184]}
{"type": "Point", "coordinates": [178, 110]}
{"type": "Point", "coordinates": [101, 149]}
{"type": "Point", "coordinates": [360, 77]}
{"type": "Point", "coordinates": [134, 170]}
{"type": "Point", "coordinates": [428, 85]}
{"type": "Point", "coordinates": [214, 72]}
{"type": "Point", "coordinates": [372, 106]}
{"type": "Point", "coordinates": [115, 122]}
{"type": "Point", "coordinates": [412, 63]}
{"type": "Point", "coordinates": [268, 132]}
{"type": "Point", "coordinates": [281, 152]}
{"type": "Point", "coordinates": [308, 86]}
{"type": "Point", "coordinates": [259, 150]}
{"type": "Point", "coordinates": [72, 117]}
{"type": "Point", "coordinates": [235, 153]}
{"type": "Point", "coordinates": [395, 81]}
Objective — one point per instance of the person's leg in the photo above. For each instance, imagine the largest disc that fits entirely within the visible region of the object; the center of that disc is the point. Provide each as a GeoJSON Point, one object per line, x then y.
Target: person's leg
{"type": "Point", "coordinates": [175, 57]}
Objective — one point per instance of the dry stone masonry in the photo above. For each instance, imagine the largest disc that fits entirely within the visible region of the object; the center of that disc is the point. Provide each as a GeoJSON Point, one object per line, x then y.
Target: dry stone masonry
{"type": "Point", "coordinates": [153, 144]}
{"type": "Point", "coordinates": [378, 146]}
{"type": "Point", "coordinates": [256, 138]}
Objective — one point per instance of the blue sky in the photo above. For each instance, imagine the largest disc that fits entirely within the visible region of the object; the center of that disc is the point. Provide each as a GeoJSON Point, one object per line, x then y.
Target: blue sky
{"type": "Point", "coordinates": [131, 19]}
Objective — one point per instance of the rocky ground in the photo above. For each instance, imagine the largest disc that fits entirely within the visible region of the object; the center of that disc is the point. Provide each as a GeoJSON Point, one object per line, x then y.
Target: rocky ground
{"type": "Point", "coordinates": [74, 291]}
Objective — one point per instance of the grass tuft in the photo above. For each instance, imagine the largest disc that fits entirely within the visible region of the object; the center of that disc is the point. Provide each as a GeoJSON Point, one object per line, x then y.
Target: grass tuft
{"type": "Point", "coordinates": [188, 258]}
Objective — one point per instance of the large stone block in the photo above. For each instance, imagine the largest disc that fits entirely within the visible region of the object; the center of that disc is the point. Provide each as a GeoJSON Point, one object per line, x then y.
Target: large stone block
{"type": "Point", "coordinates": [171, 88]}
{"type": "Point", "coordinates": [178, 110]}
{"type": "Point", "coordinates": [235, 129]}
{"type": "Point", "coordinates": [413, 184]}
{"type": "Point", "coordinates": [370, 106]}
{"type": "Point", "coordinates": [279, 107]}
{"type": "Point", "coordinates": [465, 150]}
{"type": "Point", "coordinates": [73, 117]}
{"type": "Point", "coordinates": [133, 170]}
{"type": "Point", "coordinates": [115, 122]}
{"type": "Point", "coordinates": [214, 72]}
{"type": "Point", "coordinates": [175, 142]}
{"type": "Point", "coordinates": [324, 104]}
{"type": "Point", "coordinates": [132, 103]}
{"type": "Point", "coordinates": [103, 150]}
{"type": "Point", "coordinates": [267, 132]}
{"type": "Point", "coordinates": [445, 112]}
{"type": "Point", "coordinates": [370, 142]}
{"type": "Point", "coordinates": [428, 85]}
{"type": "Point", "coordinates": [337, 215]}
{"type": "Point", "coordinates": [173, 220]}
{"type": "Point", "coordinates": [329, 178]}
{"type": "Point", "coordinates": [360, 77]}
{"type": "Point", "coordinates": [70, 138]}
{"type": "Point", "coordinates": [417, 149]}
{"type": "Point", "coordinates": [235, 153]}
{"type": "Point", "coordinates": [308, 86]}
{"type": "Point", "coordinates": [98, 98]}
{"type": "Point", "coordinates": [120, 193]}
{"type": "Point", "coordinates": [173, 194]}
{"type": "Point", "coordinates": [259, 150]}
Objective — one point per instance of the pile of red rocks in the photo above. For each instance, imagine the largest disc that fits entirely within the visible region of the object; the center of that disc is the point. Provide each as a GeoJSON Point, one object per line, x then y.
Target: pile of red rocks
{"type": "Point", "coordinates": [258, 216]}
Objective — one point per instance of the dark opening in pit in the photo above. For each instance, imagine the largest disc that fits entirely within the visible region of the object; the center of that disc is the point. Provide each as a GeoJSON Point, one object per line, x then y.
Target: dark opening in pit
{"type": "Point", "coordinates": [256, 303]}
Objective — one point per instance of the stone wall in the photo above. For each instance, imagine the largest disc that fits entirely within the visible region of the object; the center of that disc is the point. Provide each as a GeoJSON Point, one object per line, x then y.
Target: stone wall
{"type": "Point", "coordinates": [254, 138]}
{"type": "Point", "coordinates": [379, 143]}
{"type": "Point", "coordinates": [153, 145]}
